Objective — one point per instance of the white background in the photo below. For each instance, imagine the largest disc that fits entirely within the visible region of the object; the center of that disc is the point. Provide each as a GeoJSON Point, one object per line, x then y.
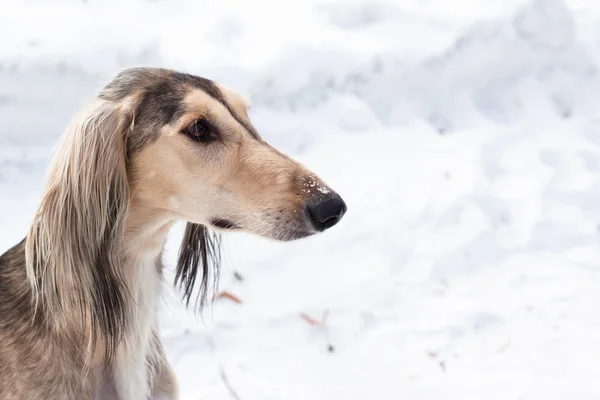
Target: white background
{"type": "Point", "coordinates": [464, 137]}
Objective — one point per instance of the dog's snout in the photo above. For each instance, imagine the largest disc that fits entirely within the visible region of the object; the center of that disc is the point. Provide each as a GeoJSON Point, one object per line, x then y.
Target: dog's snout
{"type": "Point", "coordinates": [326, 213]}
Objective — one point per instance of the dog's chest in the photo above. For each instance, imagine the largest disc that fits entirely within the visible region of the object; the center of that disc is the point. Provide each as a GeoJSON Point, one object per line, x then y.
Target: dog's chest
{"type": "Point", "coordinates": [131, 377]}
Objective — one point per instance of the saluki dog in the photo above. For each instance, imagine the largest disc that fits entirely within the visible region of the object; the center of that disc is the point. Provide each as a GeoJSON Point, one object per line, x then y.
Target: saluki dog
{"type": "Point", "coordinates": [79, 294]}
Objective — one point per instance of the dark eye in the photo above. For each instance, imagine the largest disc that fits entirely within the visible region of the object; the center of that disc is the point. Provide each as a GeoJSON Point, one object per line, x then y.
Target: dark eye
{"type": "Point", "coordinates": [199, 131]}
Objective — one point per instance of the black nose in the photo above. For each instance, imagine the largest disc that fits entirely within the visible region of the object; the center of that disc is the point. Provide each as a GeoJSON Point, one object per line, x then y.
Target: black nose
{"type": "Point", "coordinates": [327, 213]}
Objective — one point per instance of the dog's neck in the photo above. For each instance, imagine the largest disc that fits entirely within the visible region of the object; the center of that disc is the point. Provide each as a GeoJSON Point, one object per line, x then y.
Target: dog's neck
{"type": "Point", "coordinates": [145, 235]}
{"type": "Point", "coordinates": [144, 238]}
{"type": "Point", "coordinates": [146, 230]}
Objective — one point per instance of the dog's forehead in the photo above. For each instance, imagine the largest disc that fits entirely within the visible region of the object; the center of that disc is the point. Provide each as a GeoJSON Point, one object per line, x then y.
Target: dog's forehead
{"type": "Point", "coordinates": [227, 97]}
{"type": "Point", "coordinates": [197, 101]}
{"type": "Point", "coordinates": [156, 82]}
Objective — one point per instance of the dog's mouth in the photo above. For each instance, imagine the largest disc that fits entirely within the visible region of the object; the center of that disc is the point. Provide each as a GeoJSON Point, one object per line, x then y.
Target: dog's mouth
{"type": "Point", "coordinates": [279, 233]}
{"type": "Point", "coordinates": [224, 224]}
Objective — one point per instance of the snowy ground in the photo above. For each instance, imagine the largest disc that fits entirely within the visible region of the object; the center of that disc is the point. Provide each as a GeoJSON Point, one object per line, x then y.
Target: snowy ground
{"type": "Point", "coordinates": [464, 136]}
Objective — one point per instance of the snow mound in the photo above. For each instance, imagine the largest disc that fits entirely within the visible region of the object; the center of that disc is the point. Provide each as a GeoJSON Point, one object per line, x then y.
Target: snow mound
{"type": "Point", "coordinates": [463, 136]}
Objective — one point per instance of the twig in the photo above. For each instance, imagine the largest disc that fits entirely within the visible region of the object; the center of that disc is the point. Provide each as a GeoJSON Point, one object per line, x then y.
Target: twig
{"type": "Point", "coordinates": [228, 385]}
{"type": "Point", "coordinates": [309, 319]}
{"type": "Point", "coordinates": [227, 295]}
{"type": "Point", "coordinates": [313, 321]}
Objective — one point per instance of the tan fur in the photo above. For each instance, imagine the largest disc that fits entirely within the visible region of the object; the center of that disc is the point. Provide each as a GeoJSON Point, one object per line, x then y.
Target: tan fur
{"type": "Point", "coordinates": [246, 180]}
{"type": "Point", "coordinates": [88, 165]}
{"type": "Point", "coordinates": [78, 297]}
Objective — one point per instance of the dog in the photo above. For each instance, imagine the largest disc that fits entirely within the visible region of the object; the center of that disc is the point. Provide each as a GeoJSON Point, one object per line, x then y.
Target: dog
{"type": "Point", "coordinates": [79, 294]}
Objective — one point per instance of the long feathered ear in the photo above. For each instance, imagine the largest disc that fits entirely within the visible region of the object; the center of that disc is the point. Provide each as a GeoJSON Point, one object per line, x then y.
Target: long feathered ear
{"type": "Point", "coordinates": [73, 248]}
{"type": "Point", "coordinates": [202, 248]}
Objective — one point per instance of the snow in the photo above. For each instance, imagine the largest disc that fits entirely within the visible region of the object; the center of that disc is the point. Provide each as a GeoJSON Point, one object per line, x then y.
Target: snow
{"type": "Point", "coordinates": [463, 135]}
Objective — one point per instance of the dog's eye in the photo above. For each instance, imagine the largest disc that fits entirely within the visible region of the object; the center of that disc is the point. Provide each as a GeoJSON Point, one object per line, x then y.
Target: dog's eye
{"type": "Point", "coordinates": [199, 131]}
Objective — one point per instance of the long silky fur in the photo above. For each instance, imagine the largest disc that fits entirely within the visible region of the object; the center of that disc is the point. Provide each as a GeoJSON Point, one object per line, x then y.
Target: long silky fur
{"type": "Point", "coordinates": [199, 248]}
{"type": "Point", "coordinates": [73, 248]}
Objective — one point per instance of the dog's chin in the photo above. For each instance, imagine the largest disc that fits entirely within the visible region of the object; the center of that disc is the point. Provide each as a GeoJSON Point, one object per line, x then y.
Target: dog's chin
{"type": "Point", "coordinates": [291, 235]}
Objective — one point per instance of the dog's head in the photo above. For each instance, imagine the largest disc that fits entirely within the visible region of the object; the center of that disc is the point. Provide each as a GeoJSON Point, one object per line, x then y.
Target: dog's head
{"type": "Point", "coordinates": [164, 146]}
{"type": "Point", "coordinates": [194, 152]}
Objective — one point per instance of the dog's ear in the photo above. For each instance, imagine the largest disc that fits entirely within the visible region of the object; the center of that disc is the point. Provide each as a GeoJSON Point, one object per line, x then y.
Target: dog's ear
{"type": "Point", "coordinates": [73, 248]}
{"type": "Point", "coordinates": [199, 248]}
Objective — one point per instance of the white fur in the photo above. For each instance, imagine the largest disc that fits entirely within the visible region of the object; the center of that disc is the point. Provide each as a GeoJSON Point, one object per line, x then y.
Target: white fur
{"type": "Point", "coordinates": [131, 372]}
